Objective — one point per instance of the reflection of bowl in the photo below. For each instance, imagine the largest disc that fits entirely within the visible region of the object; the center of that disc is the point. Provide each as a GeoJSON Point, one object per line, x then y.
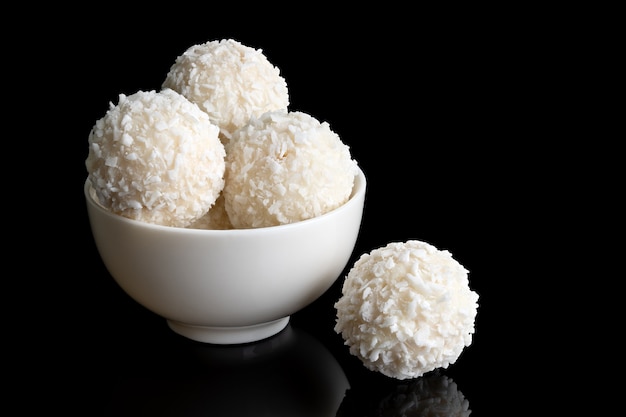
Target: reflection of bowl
{"type": "Point", "coordinates": [289, 374]}
{"type": "Point", "coordinates": [227, 286]}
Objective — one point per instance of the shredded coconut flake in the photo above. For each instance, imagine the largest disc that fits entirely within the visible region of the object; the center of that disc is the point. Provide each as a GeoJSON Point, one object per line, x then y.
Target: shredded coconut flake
{"type": "Point", "coordinates": [406, 309]}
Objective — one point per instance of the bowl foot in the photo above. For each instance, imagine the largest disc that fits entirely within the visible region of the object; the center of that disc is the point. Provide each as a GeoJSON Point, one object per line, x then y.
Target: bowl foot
{"type": "Point", "coordinates": [229, 335]}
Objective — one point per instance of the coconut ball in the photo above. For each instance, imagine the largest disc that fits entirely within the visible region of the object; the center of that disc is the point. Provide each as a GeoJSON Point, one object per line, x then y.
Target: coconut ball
{"type": "Point", "coordinates": [215, 219]}
{"type": "Point", "coordinates": [285, 167]}
{"type": "Point", "coordinates": [156, 157]}
{"type": "Point", "coordinates": [229, 81]}
{"type": "Point", "coordinates": [406, 309]}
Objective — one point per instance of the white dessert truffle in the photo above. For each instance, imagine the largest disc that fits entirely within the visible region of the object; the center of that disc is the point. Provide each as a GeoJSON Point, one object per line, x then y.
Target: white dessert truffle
{"type": "Point", "coordinates": [156, 157]}
{"type": "Point", "coordinates": [406, 309]}
{"type": "Point", "coordinates": [229, 81]}
{"type": "Point", "coordinates": [285, 167]}
{"type": "Point", "coordinates": [215, 219]}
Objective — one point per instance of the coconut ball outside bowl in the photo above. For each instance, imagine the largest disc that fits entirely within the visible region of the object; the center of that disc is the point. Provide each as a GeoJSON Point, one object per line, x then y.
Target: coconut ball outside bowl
{"type": "Point", "coordinates": [227, 286]}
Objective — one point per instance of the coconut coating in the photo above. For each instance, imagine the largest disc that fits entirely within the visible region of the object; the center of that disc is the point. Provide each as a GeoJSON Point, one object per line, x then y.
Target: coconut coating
{"type": "Point", "coordinates": [230, 81]}
{"type": "Point", "coordinates": [285, 167]}
{"type": "Point", "coordinates": [406, 309]}
{"type": "Point", "coordinates": [156, 157]}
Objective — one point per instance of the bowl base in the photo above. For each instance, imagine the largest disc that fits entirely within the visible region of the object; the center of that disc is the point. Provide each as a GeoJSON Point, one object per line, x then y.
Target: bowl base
{"type": "Point", "coordinates": [229, 335]}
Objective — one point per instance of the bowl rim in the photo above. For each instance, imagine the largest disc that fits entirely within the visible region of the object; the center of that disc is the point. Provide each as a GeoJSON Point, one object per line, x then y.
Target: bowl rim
{"type": "Point", "coordinates": [358, 190]}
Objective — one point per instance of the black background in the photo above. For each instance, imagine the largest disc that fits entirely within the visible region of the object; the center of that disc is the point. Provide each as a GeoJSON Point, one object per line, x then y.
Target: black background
{"type": "Point", "coordinates": [434, 109]}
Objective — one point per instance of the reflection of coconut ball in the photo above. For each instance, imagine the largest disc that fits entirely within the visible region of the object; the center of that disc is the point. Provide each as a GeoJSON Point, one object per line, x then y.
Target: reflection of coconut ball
{"type": "Point", "coordinates": [430, 396]}
{"type": "Point", "coordinates": [406, 309]}
{"type": "Point", "coordinates": [229, 81]}
{"type": "Point", "coordinates": [215, 219]}
{"type": "Point", "coordinates": [285, 167]}
{"type": "Point", "coordinates": [433, 395]}
{"type": "Point", "coordinates": [156, 157]}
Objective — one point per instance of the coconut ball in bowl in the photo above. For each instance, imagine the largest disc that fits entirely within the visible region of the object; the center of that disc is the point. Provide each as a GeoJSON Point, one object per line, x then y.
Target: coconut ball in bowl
{"type": "Point", "coordinates": [285, 167]}
{"type": "Point", "coordinates": [230, 81]}
{"type": "Point", "coordinates": [156, 157]}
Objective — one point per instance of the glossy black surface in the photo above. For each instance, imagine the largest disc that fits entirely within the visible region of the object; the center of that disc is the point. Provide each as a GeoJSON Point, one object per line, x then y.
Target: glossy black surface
{"type": "Point", "coordinates": [426, 114]}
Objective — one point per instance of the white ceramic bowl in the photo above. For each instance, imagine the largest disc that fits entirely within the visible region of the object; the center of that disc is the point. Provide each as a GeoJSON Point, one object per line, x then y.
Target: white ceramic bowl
{"type": "Point", "coordinates": [227, 286]}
